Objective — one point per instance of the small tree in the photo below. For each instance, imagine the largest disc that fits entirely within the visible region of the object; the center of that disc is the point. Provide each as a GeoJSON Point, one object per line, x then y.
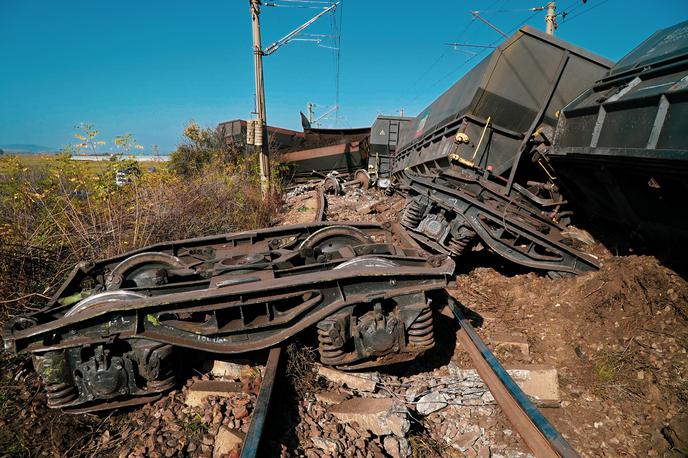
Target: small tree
{"type": "Point", "coordinates": [125, 143]}
{"type": "Point", "coordinates": [88, 144]}
{"type": "Point", "coordinates": [200, 147]}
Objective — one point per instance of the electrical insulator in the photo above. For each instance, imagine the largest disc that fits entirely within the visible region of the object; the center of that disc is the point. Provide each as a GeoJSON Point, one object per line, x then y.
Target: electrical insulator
{"type": "Point", "coordinates": [250, 132]}
{"type": "Point", "coordinates": [259, 132]}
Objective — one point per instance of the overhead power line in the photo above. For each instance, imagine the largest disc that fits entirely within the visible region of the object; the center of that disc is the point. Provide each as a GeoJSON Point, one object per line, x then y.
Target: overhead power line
{"type": "Point", "coordinates": [586, 11]}
{"type": "Point", "coordinates": [521, 10]}
{"type": "Point", "coordinates": [469, 45]}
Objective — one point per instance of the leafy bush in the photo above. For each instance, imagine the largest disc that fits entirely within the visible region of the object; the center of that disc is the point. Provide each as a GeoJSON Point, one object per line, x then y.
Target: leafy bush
{"type": "Point", "coordinates": [200, 147]}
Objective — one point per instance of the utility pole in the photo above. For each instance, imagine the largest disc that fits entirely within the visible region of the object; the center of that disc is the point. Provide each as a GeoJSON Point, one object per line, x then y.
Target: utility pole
{"type": "Point", "coordinates": [310, 112]}
{"type": "Point", "coordinates": [261, 138]}
{"type": "Point", "coordinates": [551, 18]}
{"type": "Point", "coordinates": [261, 133]}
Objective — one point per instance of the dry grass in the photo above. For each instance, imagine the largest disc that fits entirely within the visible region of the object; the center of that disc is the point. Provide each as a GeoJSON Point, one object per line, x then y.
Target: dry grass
{"type": "Point", "coordinates": [301, 369]}
{"type": "Point", "coordinates": [617, 372]}
{"type": "Point", "coordinates": [423, 446]}
{"type": "Point", "coordinates": [57, 212]}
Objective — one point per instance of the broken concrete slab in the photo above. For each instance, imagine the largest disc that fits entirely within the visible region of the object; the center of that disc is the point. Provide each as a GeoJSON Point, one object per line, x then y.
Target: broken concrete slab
{"type": "Point", "coordinates": [230, 370]}
{"type": "Point", "coordinates": [538, 382]}
{"type": "Point", "coordinates": [227, 440]}
{"type": "Point", "coordinates": [465, 440]}
{"type": "Point", "coordinates": [432, 402]}
{"type": "Point", "coordinates": [201, 389]}
{"type": "Point", "coordinates": [380, 416]}
{"type": "Point", "coordinates": [361, 381]}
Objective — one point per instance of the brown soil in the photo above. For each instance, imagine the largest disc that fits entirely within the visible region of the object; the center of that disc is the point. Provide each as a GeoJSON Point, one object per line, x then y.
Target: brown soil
{"type": "Point", "coordinates": [618, 338]}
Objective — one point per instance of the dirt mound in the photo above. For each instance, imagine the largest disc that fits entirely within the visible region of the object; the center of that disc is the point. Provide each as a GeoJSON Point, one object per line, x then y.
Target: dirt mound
{"type": "Point", "coordinates": [618, 337]}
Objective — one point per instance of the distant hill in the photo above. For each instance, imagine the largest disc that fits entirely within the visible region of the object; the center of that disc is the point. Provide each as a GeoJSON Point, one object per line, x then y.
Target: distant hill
{"type": "Point", "coordinates": [27, 148]}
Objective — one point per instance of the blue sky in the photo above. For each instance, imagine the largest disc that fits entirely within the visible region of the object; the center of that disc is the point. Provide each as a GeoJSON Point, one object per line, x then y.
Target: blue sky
{"type": "Point", "coordinates": [149, 66]}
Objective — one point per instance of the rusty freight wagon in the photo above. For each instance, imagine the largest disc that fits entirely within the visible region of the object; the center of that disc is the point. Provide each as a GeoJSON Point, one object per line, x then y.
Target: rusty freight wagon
{"type": "Point", "coordinates": [315, 149]}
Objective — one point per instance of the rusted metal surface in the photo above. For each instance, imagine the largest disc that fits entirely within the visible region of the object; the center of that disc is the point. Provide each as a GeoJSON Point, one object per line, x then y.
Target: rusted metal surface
{"type": "Point", "coordinates": [320, 204]}
{"type": "Point", "coordinates": [314, 149]}
{"type": "Point", "coordinates": [471, 163]}
{"type": "Point", "coordinates": [537, 432]}
{"type": "Point", "coordinates": [223, 386]}
{"type": "Point", "coordinates": [251, 444]}
{"type": "Point", "coordinates": [343, 158]}
{"type": "Point", "coordinates": [234, 132]}
{"type": "Point", "coordinates": [516, 228]}
{"type": "Point", "coordinates": [362, 178]}
{"type": "Point", "coordinates": [114, 329]}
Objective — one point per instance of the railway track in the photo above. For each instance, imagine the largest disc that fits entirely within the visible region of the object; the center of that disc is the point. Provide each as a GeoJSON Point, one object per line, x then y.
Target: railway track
{"type": "Point", "coordinates": [252, 441]}
{"type": "Point", "coordinates": [535, 430]}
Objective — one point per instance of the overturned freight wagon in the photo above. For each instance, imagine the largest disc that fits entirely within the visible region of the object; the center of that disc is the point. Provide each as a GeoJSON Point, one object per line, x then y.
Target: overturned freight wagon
{"type": "Point", "coordinates": [235, 133]}
{"type": "Point", "coordinates": [316, 149]}
{"type": "Point", "coordinates": [117, 330]}
{"type": "Point", "coordinates": [621, 149]}
{"type": "Point", "coordinates": [470, 162]}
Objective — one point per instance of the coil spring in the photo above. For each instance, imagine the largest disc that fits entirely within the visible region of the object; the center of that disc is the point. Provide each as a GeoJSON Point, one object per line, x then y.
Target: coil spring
{"type": "Point", "coordinates": [421, 331]}
{"type": "Point", "coordinates": [413, 214]}
{"type": "Point", "coordinates": [329, 352]}
{"type": "Point", "coordinates": [459, 245]}
{"type": "Point", "coordinates": [60, 394]}
{"type": "Point", "coordinates": [163, 383]}
{"type": "Point", "coordinates": [462, 241]}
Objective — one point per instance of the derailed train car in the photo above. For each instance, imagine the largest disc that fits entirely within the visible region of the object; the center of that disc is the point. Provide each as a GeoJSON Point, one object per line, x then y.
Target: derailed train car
{"type": "Point", "coordinates": [620, 150]}
{"type": "Point", "coordinates": [384, 139]}
{"type": "Point", "coordinates": [112, 335]}
{"type": "Point", "coordinates": [471, 162]}
{"type": "Point", "coordinates": [326, 150]}
{"type": "Point", "coordinates": [315, 149]}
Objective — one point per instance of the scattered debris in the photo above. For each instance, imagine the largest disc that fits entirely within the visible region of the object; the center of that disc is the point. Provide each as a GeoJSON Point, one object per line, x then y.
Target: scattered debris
{"type": "Point", "coordinates": [330, 397]}
{"type": "Point", "coordinates": [227, 441]}
{"type": "Point", "coordinates": [432, 402]}
{"type": "Point", "coordinates": [232, 371]}
{"type": "Point", "coordinates": [397, 447]}
{"type": "Point", "coordinates": [200, 390]}
{"type": "Point", "coordinates": [360, 381]}
{"type": "Point", "coordinates": [380, 416]}
{"type": "Point", "coordinates": [541, 384]}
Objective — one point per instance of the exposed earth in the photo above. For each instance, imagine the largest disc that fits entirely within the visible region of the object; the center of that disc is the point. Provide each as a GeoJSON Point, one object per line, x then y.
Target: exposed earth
{"type": "Point", "coordinates": [617, 339]}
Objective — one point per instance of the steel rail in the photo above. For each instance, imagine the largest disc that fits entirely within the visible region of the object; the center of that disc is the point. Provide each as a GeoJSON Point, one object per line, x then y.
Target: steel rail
{"type": "Point", "coordinates": [251, 444]}
{"type": "Point", "coordinates": [537, 432]}
{"type": "Point", "coordinates": [321, 204]}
